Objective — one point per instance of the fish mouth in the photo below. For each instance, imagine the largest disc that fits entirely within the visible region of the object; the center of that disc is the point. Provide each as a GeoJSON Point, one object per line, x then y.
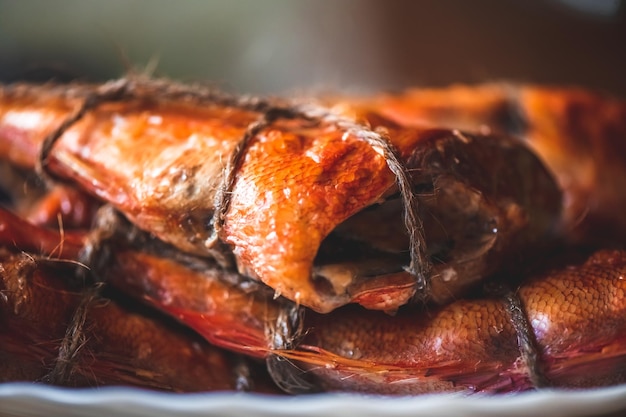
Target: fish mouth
{"type": "Point", "coordinates": [366, 258]}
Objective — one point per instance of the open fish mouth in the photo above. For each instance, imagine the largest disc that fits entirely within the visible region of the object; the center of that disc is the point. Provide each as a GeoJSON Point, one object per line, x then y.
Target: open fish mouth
{"type": "Point", "coordinates": [301, 190]}
{"type": "Point", "coordinates": [478, 210]}
{"type": "Point", "coordinates": [367, 256]}
{"type": "Point", "coordinates": [481, 202]}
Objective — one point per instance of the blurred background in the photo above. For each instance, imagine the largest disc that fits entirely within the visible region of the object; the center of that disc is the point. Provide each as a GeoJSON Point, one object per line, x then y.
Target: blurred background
{"type": "Point", "coordinates": [278, 46]}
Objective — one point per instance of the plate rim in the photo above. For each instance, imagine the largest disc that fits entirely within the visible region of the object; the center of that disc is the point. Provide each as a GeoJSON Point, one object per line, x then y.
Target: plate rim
{"type": "Point", "coordinates": [140, 401]}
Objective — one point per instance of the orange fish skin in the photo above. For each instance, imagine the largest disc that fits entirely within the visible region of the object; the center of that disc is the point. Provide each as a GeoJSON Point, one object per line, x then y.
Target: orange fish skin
{"type": "Point", "coordinates": [121, 345]}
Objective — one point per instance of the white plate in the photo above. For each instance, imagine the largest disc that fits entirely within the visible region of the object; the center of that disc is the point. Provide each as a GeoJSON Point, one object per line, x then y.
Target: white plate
{"type": "Point", "coordinates": [40, 400]}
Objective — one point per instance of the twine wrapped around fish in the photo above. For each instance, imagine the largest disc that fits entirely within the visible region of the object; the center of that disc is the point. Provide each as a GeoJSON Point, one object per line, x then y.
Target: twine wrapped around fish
{"type": "Point", "coordinates": [255, 222]}
{"type": "Point", "coordinates": [188, 196]}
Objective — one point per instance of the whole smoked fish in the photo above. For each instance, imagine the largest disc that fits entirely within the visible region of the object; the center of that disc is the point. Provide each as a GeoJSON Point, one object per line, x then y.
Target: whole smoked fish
{"type": "Point", "coordinates": [563, 327]}
{"type": "Point", "coordinates": [311, 207]}
{"type": "Point", "coordinates": [402, 203]}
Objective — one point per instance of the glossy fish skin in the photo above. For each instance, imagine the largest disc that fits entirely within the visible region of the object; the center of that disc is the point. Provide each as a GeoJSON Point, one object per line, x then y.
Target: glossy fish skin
{"type": "Point", "coordinates": [194, 291]}
{"type": "Point", "coordinates": [121, 345]}
{"type": "Point", "coordinates": [168, 160]}
{"type": "Point", "coordinates": [469, 345]}
{"type": "Point", "coordinates": [160, 163]}
{"type": "Point", "coordinates": [579, 134]}
{"type": "Point", "coordinates": [19, 234]}
{"type": "Point", "coordinates": [63, 207]}
{"type": "Point", "coordinates": [224, 314]}
{"type": "Point", "coordinates": [576, 314]}
{"type": "Point", "coordinates": [145, 157]}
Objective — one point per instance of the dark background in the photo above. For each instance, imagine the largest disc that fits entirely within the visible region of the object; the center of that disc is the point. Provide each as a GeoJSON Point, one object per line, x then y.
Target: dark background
{"type": "Point", "coordinates": [277, 46]}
